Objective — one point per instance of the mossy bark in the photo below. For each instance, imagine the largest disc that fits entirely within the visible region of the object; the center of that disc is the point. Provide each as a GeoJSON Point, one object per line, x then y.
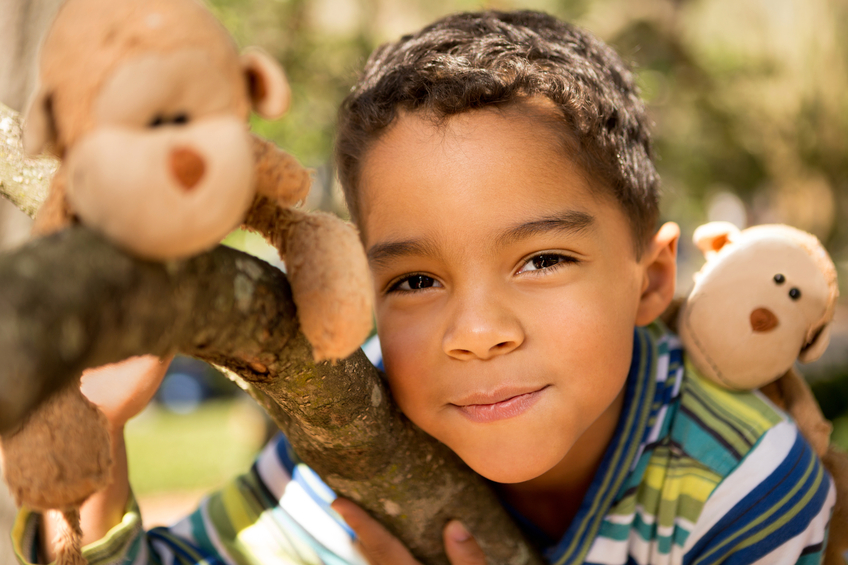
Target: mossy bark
{"type": "Point", "coordinates": [72, 300]}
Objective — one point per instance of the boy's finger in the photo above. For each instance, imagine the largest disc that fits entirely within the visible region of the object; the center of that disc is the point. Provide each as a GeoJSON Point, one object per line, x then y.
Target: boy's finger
{"type": "Point", "coordinates": [461, 547]}
{"type": "Point", "coordinates": [378, 545]}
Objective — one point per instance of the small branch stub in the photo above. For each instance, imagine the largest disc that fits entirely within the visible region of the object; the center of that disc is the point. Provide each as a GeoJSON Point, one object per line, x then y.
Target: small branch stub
{"type": "Point", "coordinates": [24, 180]}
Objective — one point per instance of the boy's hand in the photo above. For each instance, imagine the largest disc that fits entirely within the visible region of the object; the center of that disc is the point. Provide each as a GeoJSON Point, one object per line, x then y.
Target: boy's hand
{"type": "Point", "coordinates": [122, 390]}
{"type": "Point", "coordinates": [382, 548]}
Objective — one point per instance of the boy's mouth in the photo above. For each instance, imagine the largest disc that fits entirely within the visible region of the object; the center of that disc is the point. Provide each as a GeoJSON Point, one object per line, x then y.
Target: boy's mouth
{"type": "Point", "coordinates": [498, 406]}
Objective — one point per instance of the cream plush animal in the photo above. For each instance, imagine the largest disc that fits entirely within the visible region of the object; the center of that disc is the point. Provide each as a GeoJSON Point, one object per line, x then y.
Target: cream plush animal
{"type": "Point", "coordinates": [147, 109]}
{"type": "Point", "coordinates": [764, 298]}
{"type": "Point", "coordinates": [146, 103]}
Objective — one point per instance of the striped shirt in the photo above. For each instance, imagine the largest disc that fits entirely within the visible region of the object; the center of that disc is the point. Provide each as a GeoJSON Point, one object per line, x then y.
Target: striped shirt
{"type": "Point", "coordinates": [694, 475]}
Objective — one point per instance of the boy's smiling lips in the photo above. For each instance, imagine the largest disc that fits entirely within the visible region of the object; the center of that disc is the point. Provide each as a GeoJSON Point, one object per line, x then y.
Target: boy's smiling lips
{"type": "Point", "coordinates": [499, 404]}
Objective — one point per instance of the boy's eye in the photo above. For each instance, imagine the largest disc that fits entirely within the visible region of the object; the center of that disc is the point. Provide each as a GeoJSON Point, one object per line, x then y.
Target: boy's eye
{"type": "Point", "coordinates": [545, 261]}
{"type": "Point", "coordinates": [414, 282]}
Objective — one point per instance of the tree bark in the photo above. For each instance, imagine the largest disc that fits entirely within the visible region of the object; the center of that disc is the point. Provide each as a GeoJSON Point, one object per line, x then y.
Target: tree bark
{"type": "Point", "coordinates": [72, 300]}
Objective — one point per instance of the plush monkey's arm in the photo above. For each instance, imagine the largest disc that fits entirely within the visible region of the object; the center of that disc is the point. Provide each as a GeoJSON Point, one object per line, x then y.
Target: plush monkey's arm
{"type": "Point", "coordinates": [325, 262]}
{"type": "Point", "coordinates": [792, 393]}
{"type": "Point", "coordinates": [328, 272]}
{"type": "Point", "coordinates": [55, 214]}
{"type": "Point", "coordinates": [278, 176]}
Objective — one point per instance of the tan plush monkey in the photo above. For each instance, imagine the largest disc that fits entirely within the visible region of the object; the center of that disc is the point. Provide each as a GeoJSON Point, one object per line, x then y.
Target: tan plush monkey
{"type": "Point", "coordinates": [146, 103]}
{"type": "Point", "coordinates": [766, 297]}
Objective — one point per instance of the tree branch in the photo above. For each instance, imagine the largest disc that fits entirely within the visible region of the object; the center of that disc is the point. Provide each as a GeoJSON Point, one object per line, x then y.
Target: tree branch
{"type": "Point", "coordinates": [72, 301]}
{"type": "Point", "coordinates": [23, 180]}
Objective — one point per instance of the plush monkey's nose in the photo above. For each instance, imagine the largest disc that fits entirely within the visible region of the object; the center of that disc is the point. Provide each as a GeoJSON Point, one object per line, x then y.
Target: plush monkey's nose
{"type": "Point", "coordinates": [763, 320]}
{"type": "Point", "coordinates": [187, 166]}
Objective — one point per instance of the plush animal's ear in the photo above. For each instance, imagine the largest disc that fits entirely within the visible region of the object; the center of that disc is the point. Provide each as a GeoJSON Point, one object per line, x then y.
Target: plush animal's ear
{"type": "Point", "coordinates": [814, 348]}
{"type": "Point", "coordinates": [39, 124]}
{"type": "Point", "coordinates": [711, 237]}
{"type": "Point", "coordinates": [266, 83]}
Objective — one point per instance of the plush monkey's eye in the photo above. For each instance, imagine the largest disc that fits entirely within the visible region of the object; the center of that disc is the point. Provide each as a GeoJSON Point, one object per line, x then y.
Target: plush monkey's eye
{"type": "Point", "coordinates": [794, 293]}
{"type": "Point", "coordinates": [181, 118]}
{"type": "Point", "coordinates": [157, 121]}
{"type": "Point", "coordinates": [779, 279]}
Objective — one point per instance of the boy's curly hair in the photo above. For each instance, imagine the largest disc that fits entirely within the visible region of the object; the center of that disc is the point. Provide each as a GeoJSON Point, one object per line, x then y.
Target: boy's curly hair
{"type": "Point", "coordinates": [473, 60]}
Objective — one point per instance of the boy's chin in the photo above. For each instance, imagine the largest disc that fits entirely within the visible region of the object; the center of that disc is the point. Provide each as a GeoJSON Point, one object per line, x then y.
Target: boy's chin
{"type": "Point", "coordinates": [510, 468]}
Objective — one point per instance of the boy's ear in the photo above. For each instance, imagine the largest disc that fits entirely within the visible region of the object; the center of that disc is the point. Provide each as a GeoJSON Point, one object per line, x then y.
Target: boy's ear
{"type": "Point", "coordinates": [266, 84]}
{"type": "Point", "coordinates": [659, 261]}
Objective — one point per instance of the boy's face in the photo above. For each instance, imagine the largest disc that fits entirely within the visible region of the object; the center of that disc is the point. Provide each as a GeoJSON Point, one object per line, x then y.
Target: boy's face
{"type": "Point", "coordinates": [507, 289]}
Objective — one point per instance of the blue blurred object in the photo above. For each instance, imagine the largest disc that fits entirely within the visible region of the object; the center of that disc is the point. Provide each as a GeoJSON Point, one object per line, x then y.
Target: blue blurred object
{"type": "Point", "coordinates": [189, 382]}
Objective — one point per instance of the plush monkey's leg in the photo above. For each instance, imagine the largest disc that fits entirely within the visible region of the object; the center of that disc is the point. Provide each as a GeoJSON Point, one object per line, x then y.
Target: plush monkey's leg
{"type": "Point", "coordinates": [792, 393]}
{"type": "Point", "coordinates": [60, 455]}
{"type": "Point", "coordinates": [836, 462]}
{"type": "Point", "coordinates": [58, 458]}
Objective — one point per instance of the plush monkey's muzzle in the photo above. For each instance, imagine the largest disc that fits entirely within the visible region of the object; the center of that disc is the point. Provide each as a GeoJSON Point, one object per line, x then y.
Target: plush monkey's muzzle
{"type": "Point", "coordinates": [166, 192]}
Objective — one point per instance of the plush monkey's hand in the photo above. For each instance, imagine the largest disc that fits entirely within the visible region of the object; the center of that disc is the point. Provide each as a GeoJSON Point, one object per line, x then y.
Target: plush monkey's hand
{"type": "Point", "coordinates": [122, 390]}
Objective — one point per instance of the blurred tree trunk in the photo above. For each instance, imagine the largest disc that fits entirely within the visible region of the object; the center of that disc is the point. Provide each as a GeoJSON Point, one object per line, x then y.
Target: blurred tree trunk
{"type": "Point", "coordinates": [23, 24]}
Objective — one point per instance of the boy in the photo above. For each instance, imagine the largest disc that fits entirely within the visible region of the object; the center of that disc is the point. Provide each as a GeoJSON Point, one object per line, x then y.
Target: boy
{"type": "Point", "coordinates": [498, 168]}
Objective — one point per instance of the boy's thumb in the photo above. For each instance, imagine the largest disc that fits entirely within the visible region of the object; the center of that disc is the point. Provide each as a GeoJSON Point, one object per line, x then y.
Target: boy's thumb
{"type": "Point", "coordinates": [461, 547]}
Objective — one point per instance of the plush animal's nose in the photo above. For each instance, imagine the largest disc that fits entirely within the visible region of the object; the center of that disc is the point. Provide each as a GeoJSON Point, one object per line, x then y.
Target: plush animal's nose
{"type": "Point", "coordinates": [187, 166]}
{"type": "Point", "coordinates": [763, 320]}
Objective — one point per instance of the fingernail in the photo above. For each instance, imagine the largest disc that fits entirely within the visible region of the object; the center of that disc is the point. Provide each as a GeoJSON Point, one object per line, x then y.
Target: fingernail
{"type": "Point", "coordinates": [457, 532]}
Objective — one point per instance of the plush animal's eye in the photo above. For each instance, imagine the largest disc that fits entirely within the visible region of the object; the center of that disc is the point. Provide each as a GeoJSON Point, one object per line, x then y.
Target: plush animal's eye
{"type": "Point", "coordinates": [181, 118]}
{"type": "Point", "coordinates": [157, 121]}
{"type": "Point", "coordinates": [794, 293]}
{"type": "Point", "coordinates": [779, 279]}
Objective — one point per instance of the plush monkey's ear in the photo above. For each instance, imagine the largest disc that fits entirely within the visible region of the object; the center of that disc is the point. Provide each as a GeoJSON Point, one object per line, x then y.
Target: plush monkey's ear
{"type": "Point", "coordinates": [39, 124]}
{"type": "Point", "coordinates": [816, 345]}
{"type": "Point", "coordinates": [266, 84]}
{"type": "Point", "coordinates": [711, 237]}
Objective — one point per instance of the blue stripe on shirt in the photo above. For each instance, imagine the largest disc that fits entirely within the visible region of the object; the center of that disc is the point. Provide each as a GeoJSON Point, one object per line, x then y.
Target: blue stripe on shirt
{"type": "Point", "coordinates": [800, 471]}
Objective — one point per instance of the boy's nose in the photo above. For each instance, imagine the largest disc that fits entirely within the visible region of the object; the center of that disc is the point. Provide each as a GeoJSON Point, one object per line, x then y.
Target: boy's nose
{"type": "Point", "coordinates": [482, 333]}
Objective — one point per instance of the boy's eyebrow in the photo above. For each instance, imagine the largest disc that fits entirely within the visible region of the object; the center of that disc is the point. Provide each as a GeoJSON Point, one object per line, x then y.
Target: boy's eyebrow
{"type": "Point", "coordinates": [380, 253]}
{"type": "Point", "coordinates": [571, 221]}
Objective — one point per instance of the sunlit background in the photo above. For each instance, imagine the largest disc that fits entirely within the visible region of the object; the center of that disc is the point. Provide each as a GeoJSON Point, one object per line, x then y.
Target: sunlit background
{"type": "Point", "coordinates": [750, 104]}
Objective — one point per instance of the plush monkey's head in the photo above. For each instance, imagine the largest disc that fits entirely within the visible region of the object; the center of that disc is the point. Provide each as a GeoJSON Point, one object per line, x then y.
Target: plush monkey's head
{"type": "Point", "coordinates": [146, 101]}
{"type": "Point", "coordinates": [764, 298]}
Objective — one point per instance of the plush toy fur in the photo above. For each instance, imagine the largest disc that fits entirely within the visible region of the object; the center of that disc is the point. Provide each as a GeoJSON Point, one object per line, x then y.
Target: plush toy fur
{"type": "Point", "coordinates": [764, 298]}
{"type": "Point", "coordinates": [146, 102]}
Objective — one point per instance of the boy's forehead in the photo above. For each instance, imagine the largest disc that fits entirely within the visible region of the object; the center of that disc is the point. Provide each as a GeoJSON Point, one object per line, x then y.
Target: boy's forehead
{"type": "Point", "coordinates": [421, 137]}
{"type": "Point", "coordinates": [508, 147]}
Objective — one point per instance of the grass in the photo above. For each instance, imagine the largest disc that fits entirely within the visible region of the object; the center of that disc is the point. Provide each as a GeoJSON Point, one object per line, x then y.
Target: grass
{"type": "Point", "coordinates": [173, 452]}
{"type": "Point", "coordinates": [840, 433]}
